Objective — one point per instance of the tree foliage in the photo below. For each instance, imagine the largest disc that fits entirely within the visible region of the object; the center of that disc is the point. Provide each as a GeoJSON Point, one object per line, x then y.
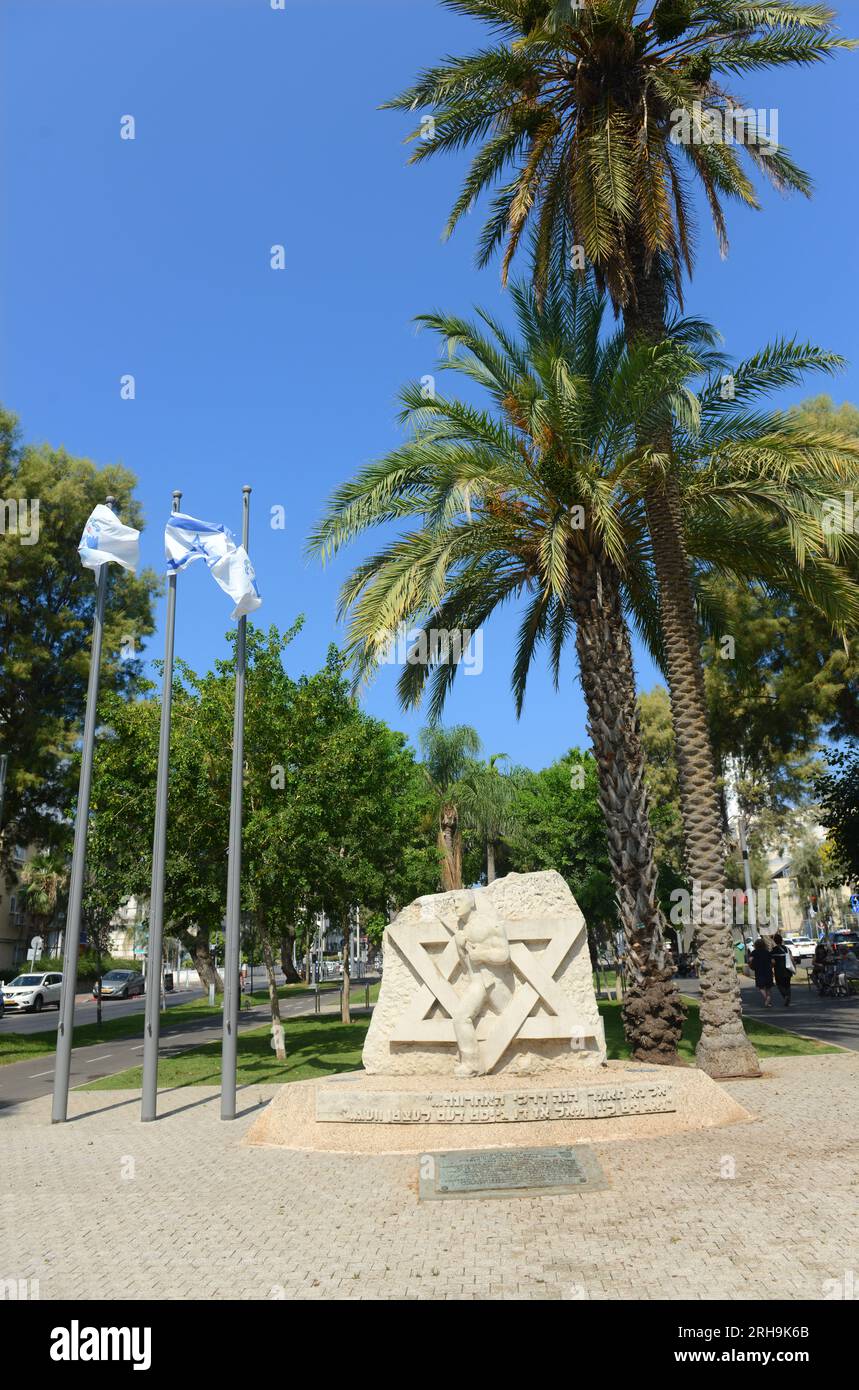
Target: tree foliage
{"type": "Point", "coordinates": [334, 804]}
{"type": "Point", "coordinates": [557, 824]}
{"type": "Point", "coordinates": [47, 601]}
{"type": "Point", "coordinates": [838, 790]}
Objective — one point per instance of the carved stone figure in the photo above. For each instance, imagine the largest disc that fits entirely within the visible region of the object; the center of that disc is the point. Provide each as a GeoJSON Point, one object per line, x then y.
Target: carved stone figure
{"type": "Point", "coordinates": [498, 979]}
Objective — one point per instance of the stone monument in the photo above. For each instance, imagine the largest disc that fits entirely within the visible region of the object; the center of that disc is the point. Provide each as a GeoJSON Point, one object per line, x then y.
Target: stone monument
{"type": "Point", "coordinates": [487, 1035]}
{"type": "Point", "coordinates": [484, 981]}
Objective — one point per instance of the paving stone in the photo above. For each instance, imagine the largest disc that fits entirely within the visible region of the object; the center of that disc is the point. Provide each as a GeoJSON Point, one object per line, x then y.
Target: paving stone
{"type": "Point", "coordinates": [272, 1224]}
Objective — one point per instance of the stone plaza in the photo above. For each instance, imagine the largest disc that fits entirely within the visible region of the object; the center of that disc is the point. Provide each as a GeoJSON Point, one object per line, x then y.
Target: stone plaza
{"type": "Point", "coordinates": [104, 1207]}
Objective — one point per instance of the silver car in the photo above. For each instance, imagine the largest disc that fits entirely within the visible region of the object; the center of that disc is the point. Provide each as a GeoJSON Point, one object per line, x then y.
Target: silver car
{"type": "Point", "coordinates": [121, 984]}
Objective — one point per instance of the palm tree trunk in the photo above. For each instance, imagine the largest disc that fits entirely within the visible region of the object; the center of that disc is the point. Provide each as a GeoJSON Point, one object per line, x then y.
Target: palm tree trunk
{"type": "Point", "coordinates": [490, 862]}
{"type": "Point", "coordinates": [724, 1050]}
{"type": "Point", "coordinates": [450, 843]}
{"type": "Point", "coordinates": [653, 1012]}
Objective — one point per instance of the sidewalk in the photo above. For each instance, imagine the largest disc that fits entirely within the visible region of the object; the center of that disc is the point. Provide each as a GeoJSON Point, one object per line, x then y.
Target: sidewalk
{"type": "Point", "coordinates": [700, 1215]}
{"type": "Point", "coordinates": [834, 1021]}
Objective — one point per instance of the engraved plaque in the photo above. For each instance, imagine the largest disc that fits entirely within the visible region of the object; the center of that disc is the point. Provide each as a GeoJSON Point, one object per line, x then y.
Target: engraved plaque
{"type": "Point", "coordinates": [337, 1104]}
{"type": "Point", "coordinates": [510, 1173]}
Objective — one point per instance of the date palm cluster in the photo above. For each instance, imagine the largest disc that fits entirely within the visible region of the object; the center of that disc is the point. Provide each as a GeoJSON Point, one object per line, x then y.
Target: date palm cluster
{"type": "Point", "coordinates": [604, 479]}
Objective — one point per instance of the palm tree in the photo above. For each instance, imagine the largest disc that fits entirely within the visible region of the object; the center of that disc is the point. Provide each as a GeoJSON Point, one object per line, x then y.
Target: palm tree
{"type": "Point", "coordinates": [598, 112]}
{"type": "Point", "coordinates": [43, 882]}
{"type": "Point", "coordinates": [446, 756]}
{"type": "Point", "coordinates": [542, 497]}
{"type": "Point", "coordinates": [486, 796]}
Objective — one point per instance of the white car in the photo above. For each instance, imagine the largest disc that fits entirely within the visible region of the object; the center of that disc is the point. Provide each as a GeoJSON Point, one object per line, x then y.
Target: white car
{"type": "Point", "coordinates": [802, 949]}
{"type": "Point", "coordinates": [32, 991]}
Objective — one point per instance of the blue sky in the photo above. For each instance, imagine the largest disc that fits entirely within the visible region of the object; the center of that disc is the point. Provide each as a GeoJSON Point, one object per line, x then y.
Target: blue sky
{"type": "Point", "coordinates": [257, 127]}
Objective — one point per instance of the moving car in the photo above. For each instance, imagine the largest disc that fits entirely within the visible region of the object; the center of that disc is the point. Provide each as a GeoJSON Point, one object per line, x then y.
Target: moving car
{"type": "Point", "coordinates": [121, 984]}
{"type": "Point", "coordinates": [33, 991]}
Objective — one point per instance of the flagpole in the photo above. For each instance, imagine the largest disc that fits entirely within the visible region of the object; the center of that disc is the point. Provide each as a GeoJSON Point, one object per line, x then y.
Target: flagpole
{"type": "Point", "coordinates": [71, 939]}
{"type": "Point", "coordinates": [234, 867]}
{"type": "Point", "coordinates": [149, 1099]}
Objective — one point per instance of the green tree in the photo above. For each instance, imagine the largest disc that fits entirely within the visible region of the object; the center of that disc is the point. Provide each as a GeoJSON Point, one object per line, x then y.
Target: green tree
{"type": "Point", "coordinates": [44, 880]}
{"type": "Point", "coordinates": [601, 114]}
{"type": "Point", "coordinates": [334, 803]}
{"type": "Point", "coordinates": [498, 497]}
{"type": "Point", "coordinates": [447, 755]}
{"type": "Point", "coordinates": [663, 785]}
{"type": "Point", "coordinates": [838, 791]}
{"type": "Point", "coordinates": [598, 112]}
{"type": "Point", "coordinates": [543, 496]}
{"type": "Point", "coordinates": [557, 823]}
{"type": "Point", "coordinates": [486, 799]}
{"type": "Point", "coordinates": [47, 601]}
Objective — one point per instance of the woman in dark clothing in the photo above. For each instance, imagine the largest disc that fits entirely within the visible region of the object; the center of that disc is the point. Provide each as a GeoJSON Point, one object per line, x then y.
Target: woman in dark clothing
{"type": "Point", "coordinates": [782, 962]}
{"type": "Point", "coordinates": [761, 963]}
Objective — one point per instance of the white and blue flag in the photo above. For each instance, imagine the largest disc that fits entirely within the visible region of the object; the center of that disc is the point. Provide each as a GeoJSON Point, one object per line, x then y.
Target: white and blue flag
{"type": "Point", "coordinates": [187, 539]}
{"type": "Point", "coordinates": [105, 538]}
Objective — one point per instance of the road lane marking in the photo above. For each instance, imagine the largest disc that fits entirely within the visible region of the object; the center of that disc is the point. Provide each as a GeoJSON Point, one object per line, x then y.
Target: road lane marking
{"type": "Point", "coordinates": [37, 1074]}
{"type": "Point", "coordinates": [101, 1059]}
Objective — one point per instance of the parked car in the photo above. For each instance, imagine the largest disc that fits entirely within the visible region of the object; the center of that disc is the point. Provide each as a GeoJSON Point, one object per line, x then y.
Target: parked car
{"type": "Point", "coordinates": [121, 984]}
{"type": "Point", "coordinates": [32, 991]}
{"type": "Point", "coordinates": [802, 949]}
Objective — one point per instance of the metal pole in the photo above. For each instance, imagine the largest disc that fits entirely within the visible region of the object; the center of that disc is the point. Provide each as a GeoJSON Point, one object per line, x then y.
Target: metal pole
{"type": "Point", "coordinates": [152, 1027]}
{"type": "Point", "coordinates": [65, 1028]}
{"type": "Point", "coordinates": [229, 1048]}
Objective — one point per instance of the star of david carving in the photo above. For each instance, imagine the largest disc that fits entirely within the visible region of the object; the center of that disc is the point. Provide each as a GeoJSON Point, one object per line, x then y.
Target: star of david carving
{"type": "Point", "coordinates": [537, 1010]}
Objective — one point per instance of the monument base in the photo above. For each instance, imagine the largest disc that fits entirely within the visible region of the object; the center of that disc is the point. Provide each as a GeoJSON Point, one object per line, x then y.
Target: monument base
{"type": "Point", "coordinates": [354, 1112]}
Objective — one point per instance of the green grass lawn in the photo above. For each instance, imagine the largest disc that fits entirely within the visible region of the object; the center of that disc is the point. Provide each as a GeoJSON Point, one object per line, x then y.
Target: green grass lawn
{"type": "Point", "coordinates": [319, 1046]}
{"type": "Point", "coordinates": [316, 1047]}
{"type": "Point", "coordinates": [22, 1047]}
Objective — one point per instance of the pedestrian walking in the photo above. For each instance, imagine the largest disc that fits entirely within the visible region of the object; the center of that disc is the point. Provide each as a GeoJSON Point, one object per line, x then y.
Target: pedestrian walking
{"type": "Point", "coordinates": [761, 963]}
{"type": "Point", "coordinates": [783, 967]}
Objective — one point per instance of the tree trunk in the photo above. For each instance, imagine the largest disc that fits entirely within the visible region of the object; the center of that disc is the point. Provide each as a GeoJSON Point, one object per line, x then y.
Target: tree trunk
{"type": "Point", "coordinates": [345, 1013]}
{"type": "Point", "coordinates": [450, 843]}
{"type": "Point", "coordinates": [490, 861]}
{"type": "Point", "coordinates": [287, 963]}
{"type": "Point", "coordinates": [653, 1012]}
{"type": "Point", "coordinates": [276, 1024]}
{"type": "Point", "coordinates": [198, 947]}
{"type": "Point", "coordinates": [724, 1050]}
{"type": "Point", "coordinates": [99, 969]}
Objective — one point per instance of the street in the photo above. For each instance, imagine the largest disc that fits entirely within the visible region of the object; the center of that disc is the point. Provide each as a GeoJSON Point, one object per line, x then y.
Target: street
{"type": "Point", "coordinates": [85, 1011]}
{"type": "Point", "coordinates": [30, 1079]}
{"type": "Point", "coordinates": [833, 1021]}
